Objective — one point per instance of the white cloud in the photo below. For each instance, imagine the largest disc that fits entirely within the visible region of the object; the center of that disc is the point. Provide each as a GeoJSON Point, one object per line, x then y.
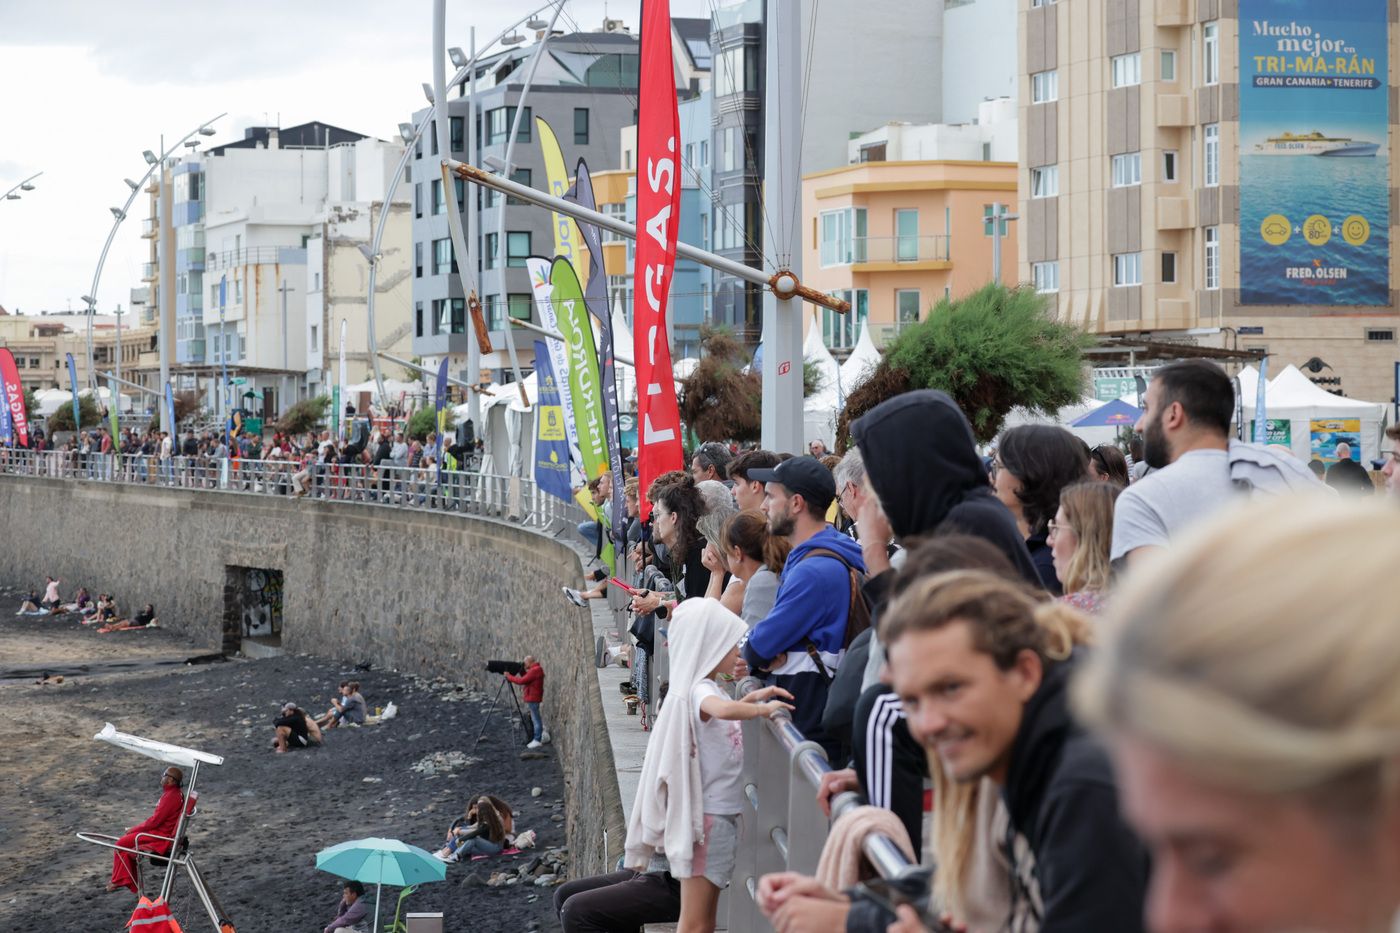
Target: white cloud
{"type": "Point", "coordinates": [89, 85]}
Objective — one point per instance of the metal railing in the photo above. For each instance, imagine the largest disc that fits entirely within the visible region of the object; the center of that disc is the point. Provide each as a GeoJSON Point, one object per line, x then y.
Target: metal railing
{"type": "Point", "coordinates": [254, 256]}
{"type": "Point", "coordinates": [513, 498]}
{"type": "Point", "coordinates": [784, 830]}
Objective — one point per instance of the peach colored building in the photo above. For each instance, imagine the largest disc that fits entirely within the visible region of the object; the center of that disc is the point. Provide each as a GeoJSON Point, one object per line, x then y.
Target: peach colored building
{"type": "Point", "coordinates": [895, 238]}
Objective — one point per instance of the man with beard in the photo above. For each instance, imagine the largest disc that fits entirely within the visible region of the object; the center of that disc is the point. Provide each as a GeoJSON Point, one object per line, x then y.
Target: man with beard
{"type": "Point", "coordinates": [800, 644]}
{"type": "Point", "coordinates": [1185, 426]}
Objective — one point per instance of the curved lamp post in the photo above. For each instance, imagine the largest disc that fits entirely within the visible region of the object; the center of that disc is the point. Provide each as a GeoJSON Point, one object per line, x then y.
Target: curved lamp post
{"type": "Point", "coordinates": [410, 135]}
{"type": "Point", "coordinates": [119, 213]}
{"type": "Point", "coordinates": [26, 185]}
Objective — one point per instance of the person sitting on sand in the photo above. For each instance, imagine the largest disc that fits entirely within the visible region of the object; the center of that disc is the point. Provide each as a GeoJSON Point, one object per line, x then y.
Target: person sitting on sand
{"type": "Point", "coordinates": [30, 606]}
{"type": "Point", "coordinates": [82, 603]}
{"type": "Point", "coordinates": [50, 593]}
{"type": "Point", "coordinates": [295, 729]}
{"type": "Point", "coordinates": [106, 609]}
{"type": "Point", "coordinates": [351, 909]}
{"type": "Point", "coordinates": [348, 707]}
{"type": "Point", "coordinates": [155, 835]}
{"type": "Point", "coordinates": [482, 830]}
{"type": "Point", "coordinates": [146, 618]}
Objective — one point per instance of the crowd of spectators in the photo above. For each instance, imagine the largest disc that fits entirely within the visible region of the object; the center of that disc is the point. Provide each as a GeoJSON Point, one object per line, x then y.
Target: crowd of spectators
{"type": "Point", "coordinates": [960, 630]}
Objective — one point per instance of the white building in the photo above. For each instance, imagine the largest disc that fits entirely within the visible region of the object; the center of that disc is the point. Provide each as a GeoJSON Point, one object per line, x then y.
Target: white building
{"type": "Point", "coordinates": [990, 137]}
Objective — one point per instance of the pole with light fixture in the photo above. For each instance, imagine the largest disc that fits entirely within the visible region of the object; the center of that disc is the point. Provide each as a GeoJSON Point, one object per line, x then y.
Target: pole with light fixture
{"type": "Point", "coordinates": [410, 135]}
{"type": "Point", "coordinates": [119, 213]}
{"type": "Point", "coordinates": [27, 185]}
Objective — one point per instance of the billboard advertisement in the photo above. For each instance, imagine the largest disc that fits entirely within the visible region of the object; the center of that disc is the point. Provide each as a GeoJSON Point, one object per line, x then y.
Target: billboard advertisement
{"type": "Point", "coordinates": [1328, 433]}
{"type": "Point", "coordinates": [1314, 153]}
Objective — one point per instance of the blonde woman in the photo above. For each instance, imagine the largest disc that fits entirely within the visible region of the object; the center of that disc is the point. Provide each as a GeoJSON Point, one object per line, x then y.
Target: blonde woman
{"type": "Point", "coordinates": [1080, 538]}
{"type": "Point", "coordinates": [1249, 687]}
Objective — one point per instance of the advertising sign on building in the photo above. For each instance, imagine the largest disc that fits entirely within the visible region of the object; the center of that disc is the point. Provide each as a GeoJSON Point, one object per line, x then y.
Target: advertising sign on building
{"type": "Point", "coordinates": [1314, 166]}
{"type": "Point", "coordinates": [1328, 433]}
{"type": "Point", "coordinates": [1277, 431]}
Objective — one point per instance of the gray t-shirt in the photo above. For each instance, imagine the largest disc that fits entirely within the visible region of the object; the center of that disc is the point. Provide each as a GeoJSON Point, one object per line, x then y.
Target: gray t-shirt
{"type": "Point", "coordinates": [1157, 507]}
{"type": "Point", "coordinates": [760, 593]}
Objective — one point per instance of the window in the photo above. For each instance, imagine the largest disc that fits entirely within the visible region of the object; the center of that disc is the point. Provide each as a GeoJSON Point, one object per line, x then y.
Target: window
{"type": "Point", "coordinates": [988, 224]}
{"type": "Point", "coordinates": [1169, 161]}
{"type": "Point", "coordinates": [517, 249]}
{"type": "Point", "coordinates": [1046, 277]}
{"type": "Point", "coordinates": [1169, 268]}
{"type": "Point", "coordinates": [1127, 69]}
{"type": "Point", "coordinates": [518, 305]}
{"type": "Point", "coordinates": [1127, 169]}
{"type": "Point", "coordinates": [449, 316]}
{"type": "Point", "coordinates": [316, 279]}
{"type": "Point", "coordinates": [1380, 336]}
{"type": "Point", "coordinates": [456, 130]}
{"type": "Point", "coordinates": [1212, 154]}
{"type": "Point", "coordinates": [439, 202]}
{"type": "Point", "coordinates": [1212, 258]}
{"type": "Point", "coordinates": [906, 227]}
{"type": "Point", "coordinates": [520, 176]}
{"type": "Point", "coordinates": [417, 317]}
{"type": "Point", "coordinates": [488, 251]}
{"type": "Point", "coordinates": [1038, 3]}
{"type": "Point", "coordinates": [842, 236]}
{"type": "Point", "coordinates": [729, 143]}
{"type": "Point", "coordinates": [906, 305]}
{"type": "Point", "coordinates": [316, 346]}
{"type": "Point", "coordinates": [1210, 53]}
{"type": "Point", "coordinates": [444, 256]}
{"type": "Point", "coordinates": [1045, 181]}
{"type": "Point", "coordinates": [1127, 269]}
{"type": "Point", "coordinates": [580, 126]}
{"type": "Point", "coordinates": [418, 200]}
{"type": "Point", "coordinates": [839, 330]}
{"type": "Point", "coordinates": [1168, 72]}
{"type": "Point", "coordinates": [19, 363]}
{"type": "Point", "coordinates": [704, 152]}
{"type": "Point", "coordinates": [1045, 87]}
{"type": "Point", "coordinates": [498, 124]}
{"type": "Point", "coordinates": [735, 71]}
{"type": "Point", "coordinates": [417, 260]}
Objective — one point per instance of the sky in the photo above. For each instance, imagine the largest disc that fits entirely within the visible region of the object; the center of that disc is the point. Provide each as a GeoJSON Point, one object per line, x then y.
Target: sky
{"type": "Point", "coordinates": [90, 84]}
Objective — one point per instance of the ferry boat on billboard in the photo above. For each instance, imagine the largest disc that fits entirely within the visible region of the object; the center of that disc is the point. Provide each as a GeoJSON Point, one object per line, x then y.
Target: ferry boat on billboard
{"type": "Point", "coordinates": [1315, 144]}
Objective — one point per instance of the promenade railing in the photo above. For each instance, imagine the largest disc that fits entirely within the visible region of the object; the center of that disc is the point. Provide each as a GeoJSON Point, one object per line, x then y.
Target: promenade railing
{"type": "Point", "coordinates": [513, 498]}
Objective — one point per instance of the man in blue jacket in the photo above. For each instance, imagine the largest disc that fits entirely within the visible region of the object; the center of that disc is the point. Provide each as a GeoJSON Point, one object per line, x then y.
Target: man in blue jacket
{"type": "Point", "coordinates": [800, 644]}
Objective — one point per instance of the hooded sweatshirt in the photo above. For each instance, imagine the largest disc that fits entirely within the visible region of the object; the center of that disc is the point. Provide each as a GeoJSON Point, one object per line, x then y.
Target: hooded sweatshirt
{"type": "Point", "coordinates": [668, 814]}
{"type": "Point", "coordinates": [1075, 865]}
{"type": "Point", "coordinates": [814, 600]}
{"type": "Point", "coordinates": [922, 462]}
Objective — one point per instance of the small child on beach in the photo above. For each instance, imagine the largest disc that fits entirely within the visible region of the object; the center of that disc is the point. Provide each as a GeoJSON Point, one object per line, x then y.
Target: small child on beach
{"type": "Point", "coordinates": [691, 789]}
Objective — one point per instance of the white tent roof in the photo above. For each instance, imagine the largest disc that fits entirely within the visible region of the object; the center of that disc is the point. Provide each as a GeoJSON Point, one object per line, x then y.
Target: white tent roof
{"type": "Point", "coordinates": [160, 751]}
{"type": "Point", "coordinates": [1291, 389]}
{"type": "Point", "coordinates": [392, 387]}
{"type": "Point", "coordinates": [828, 396]}
{"type": "Point", "coordinates": [506, 394]}
{"type": "Point", "coordinates": [1249, 386]}
{"type": "Point", "coordinates": [863, 359]}
{"type": "Point", "coordinates": [684, 367]}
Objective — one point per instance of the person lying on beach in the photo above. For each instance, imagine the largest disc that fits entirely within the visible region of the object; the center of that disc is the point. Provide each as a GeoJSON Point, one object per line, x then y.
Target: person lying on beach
{"type": "Point", "coordinates": [481, 830]}
{"type": "Point", "coordinates": [295, 729]}
{"type": "Point", "coordinates": [349, 706]}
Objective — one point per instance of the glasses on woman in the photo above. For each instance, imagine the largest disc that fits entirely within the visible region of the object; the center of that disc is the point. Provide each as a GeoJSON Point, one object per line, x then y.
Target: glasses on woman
{"type": "Point", "coordinates": [1055, 529]}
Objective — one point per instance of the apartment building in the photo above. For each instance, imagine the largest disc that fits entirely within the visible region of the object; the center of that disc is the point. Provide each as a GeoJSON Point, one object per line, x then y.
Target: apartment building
{"type": "Point", "coordinates": [1217, 173]}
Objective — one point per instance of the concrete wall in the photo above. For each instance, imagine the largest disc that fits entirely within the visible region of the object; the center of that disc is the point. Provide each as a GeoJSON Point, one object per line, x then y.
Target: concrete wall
{"type": "Point", "coordinates": [421, 592]}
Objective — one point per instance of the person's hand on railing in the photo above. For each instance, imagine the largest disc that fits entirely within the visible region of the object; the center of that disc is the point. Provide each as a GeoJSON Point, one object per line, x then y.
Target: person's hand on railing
{"type": "Point", "coordinates": [764, 693]}
{"type": "Point", "coordinates": [835, 783]}
{"type": "Point", "coordinates": [796, 903]}
{"type": "Point", "coordinates": [908, 922]}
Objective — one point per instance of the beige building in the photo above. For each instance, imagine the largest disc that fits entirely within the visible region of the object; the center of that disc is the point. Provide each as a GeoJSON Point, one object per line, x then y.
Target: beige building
{"type": "Point", "coordinates": [1130, 187]}
{"type": "Point", "coordinates": [41, 343]}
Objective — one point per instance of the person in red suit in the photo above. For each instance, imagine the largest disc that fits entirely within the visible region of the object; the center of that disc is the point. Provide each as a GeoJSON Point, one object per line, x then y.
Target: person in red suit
{"type": "Point", "coordinates": [160, 823]}
{"type": "Point", "coordinates": [533, 681]}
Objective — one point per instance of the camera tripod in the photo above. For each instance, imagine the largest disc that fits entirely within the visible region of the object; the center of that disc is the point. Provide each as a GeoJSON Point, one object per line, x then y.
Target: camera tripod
{"type": "Point", "coordinates": [525, 723]}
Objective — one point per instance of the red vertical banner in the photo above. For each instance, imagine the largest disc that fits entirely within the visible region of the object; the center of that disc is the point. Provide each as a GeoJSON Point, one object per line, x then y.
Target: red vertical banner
{"type": "Point", "coordinates": [658, 214]}
{"type": "Point", "coordinates": [13, 391]}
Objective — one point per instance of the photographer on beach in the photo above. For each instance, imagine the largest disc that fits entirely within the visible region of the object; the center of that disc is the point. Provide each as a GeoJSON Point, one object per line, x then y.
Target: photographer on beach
{"type": "Point", "coordinates": [532, 679]}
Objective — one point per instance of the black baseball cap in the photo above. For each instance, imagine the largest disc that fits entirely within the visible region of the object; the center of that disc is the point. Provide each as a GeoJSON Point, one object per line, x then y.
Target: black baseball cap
{"type": "Point", "coordinates": [804, 476]}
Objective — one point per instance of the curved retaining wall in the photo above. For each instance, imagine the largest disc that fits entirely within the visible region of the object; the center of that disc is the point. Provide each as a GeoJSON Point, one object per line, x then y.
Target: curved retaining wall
{"type": "Point", "coordinates": [423, 592]}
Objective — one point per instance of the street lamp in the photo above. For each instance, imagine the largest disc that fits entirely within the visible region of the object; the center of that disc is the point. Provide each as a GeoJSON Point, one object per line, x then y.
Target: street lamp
{"type": "Point", "coordinates": [119, 213]}
{"type": "Point", "coordinates": [26, 185]}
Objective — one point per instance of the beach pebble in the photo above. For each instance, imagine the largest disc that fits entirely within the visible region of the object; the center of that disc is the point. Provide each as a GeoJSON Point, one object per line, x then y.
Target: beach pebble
{"type": "Point", "coordinates": [535, 791]}
{"type": "Point", "coordinates": [373, 780]}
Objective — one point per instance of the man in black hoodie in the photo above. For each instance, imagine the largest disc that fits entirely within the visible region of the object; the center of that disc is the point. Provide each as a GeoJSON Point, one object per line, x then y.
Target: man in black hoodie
{"type": "Point", "coordinates": [972, 658]}
{"type": "Point", "coordinates": [921, 462]}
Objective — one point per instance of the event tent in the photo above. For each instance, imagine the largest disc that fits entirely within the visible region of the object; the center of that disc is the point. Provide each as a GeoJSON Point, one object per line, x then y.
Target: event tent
{"type": "Point", "coordinates": [820, 409]}
{"type": "Point", "coordinates": [862, 361]}
{"type": "Point", "coordinates": [1293, 397]}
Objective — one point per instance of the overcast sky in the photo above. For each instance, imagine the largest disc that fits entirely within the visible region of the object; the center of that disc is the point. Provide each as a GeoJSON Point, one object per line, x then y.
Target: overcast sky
{"type": "Point", "coordinates": [89, 84]}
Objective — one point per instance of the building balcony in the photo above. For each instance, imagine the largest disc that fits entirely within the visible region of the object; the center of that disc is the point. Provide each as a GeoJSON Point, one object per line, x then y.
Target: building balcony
{"type": "Point", "coordinates": [1172, 13]}
{"type": "Point", "coordinates": [150, 227]}
{"type": "Point", "coordinates": [884, 333]}
{"type": "Point", "coordinates": [889, 253]}
{"type": "Point", "coordinates": [255, 256]}
{"type": "Point", "coordinates": [150, 271]}
{"type": "Point", "coordinates": [1173, 213]}
{"type": "Point", "coordinates": [1173, 110]}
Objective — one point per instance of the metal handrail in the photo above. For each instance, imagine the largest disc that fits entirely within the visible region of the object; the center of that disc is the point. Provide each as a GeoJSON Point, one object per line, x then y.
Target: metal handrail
{"type": "Point", "coordinates": [782, 771]}
{"type": "Point", "coordinates": [515, 499]}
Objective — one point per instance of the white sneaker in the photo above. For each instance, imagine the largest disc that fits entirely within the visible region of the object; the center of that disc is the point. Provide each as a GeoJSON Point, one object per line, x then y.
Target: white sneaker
{"type": "Point", "coordinates": [544, 738]}
{"type": "Point", "coordinates": [575, 597]}
{"type": "Point", "coordinates": [532, 744]}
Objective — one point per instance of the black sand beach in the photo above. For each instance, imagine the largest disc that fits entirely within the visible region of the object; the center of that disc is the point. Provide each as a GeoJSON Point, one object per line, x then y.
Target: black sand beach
{"type": "Point", "coordinates": [263, 816]}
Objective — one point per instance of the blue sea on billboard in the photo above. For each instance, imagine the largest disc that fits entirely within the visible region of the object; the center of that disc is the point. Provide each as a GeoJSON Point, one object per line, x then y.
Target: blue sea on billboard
{"type": "Point", "coordinates": [1334, 188]}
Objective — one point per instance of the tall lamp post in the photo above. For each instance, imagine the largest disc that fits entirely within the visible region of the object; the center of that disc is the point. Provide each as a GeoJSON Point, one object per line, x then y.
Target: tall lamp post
{"type": "Point", "coordinates": [410, 134]}
{"type": "Point", "coordinates": [27, 185]}
{"type": "Point", "coordinates": [119, 213]}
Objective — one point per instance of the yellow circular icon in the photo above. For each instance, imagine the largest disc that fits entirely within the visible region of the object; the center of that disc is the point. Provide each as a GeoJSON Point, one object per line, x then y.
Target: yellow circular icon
{"type": "Point", "coordinates": [1276, 230]}
{"type": "Point", "coordinates": [1356, 230]}
{"type": "Point", "coordinates": [1317, 230]}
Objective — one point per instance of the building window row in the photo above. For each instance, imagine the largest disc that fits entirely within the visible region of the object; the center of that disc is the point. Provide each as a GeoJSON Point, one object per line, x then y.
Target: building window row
{"type": "Point", "coordinates": [1045, 181]}
{"type": "Point", "coordinates": [1127, 169]}
{"type": "Point", "coordinates": [1046, 277]}
{"type": "Point", "coordinates": [1126, 70]}
{"type": "Point", "coordinates": [1045, 87]}
{"type": "Point", "coordinates": [1211, 138]}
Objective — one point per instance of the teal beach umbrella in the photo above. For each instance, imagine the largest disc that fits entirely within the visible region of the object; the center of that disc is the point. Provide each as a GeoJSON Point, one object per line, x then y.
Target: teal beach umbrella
{"type": "Point", "coordinates": [380, 862]}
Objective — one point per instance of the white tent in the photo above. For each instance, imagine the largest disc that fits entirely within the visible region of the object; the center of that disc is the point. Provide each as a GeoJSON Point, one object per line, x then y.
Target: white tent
{"type": "Point", "coordinates": [1293, 397]}
{"type": "Point", "coordinates": [1071, 412]}
{"type": "Point", "coordinates": [1249, 386]}
{"type": "Point", "coordinates": [862, 361]}
{"type": "Point", "coordinates": [392, 388]}
{"type": "Point", "coordinates": [819, 411]}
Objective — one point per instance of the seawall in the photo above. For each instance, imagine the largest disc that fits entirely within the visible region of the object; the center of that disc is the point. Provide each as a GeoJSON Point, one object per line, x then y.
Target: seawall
{"type": "Point", "coordinates": [423, 592]}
